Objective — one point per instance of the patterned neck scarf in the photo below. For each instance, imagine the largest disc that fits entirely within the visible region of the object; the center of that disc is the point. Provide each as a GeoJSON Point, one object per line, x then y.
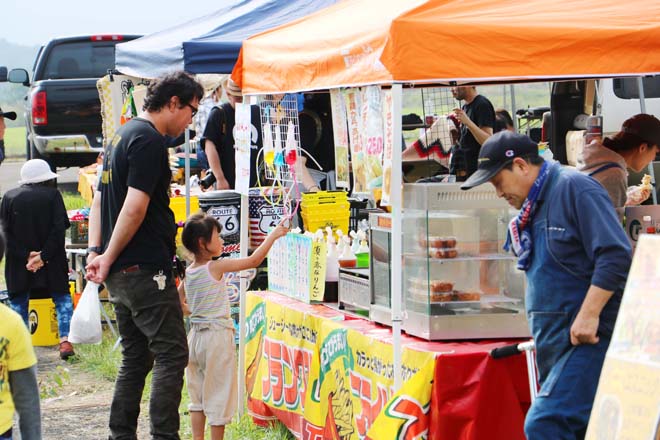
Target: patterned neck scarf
{"type": "Point", "coordinates": [519, 237]}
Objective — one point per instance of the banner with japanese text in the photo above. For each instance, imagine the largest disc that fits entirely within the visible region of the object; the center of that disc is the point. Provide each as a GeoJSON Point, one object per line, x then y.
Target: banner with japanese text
{"type": "Point", "coordinates": [627, 403]}
{"type": "Point", "coordinates": [242, 135]}
{"type": "Point", "coordinates": [330, 379]}
{"type": "Point", "coordinates": [353, 100]}
{"type": "Point", "coordinates": [340, 133]}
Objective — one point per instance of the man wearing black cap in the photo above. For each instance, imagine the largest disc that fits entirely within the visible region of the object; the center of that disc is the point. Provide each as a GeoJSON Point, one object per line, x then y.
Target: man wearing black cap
{"type": "Point", "coordinates": [576, 257]}
{"type": "Point", "coordinates": [3, 115]}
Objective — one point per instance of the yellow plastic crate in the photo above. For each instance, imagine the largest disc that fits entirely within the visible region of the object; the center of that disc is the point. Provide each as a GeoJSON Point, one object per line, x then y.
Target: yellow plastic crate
{"type": "Point", "coordinates": [178, 206]}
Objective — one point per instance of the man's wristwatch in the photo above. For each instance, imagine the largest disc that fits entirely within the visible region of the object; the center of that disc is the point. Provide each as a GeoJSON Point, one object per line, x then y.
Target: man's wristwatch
{"type": "Point", "coordinates": [95, 249]}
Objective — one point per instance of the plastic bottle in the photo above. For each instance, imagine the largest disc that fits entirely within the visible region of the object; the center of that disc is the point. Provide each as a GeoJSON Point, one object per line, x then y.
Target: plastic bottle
{"type": "Point", "coordinates": [269, 152]}
{"type": "Point", "coordinates": [332, 264]}
{"type": "Point", "coordinates": [347, 257]}
{"type": "Point", "coordinates": [291, 152]}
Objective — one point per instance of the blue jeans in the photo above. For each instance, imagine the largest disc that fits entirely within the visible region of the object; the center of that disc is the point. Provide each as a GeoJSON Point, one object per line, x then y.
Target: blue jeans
{"type": "Point", "coordinates": [562, 408]}
{"type": "Point", "coordinates": [63, 306]}
{"type": "Point", "coordinates": [6, 435]}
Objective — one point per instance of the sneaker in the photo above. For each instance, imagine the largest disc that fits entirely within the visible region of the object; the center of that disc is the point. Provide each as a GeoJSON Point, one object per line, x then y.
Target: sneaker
{"type": "Point", "coordinates": [66, 350]}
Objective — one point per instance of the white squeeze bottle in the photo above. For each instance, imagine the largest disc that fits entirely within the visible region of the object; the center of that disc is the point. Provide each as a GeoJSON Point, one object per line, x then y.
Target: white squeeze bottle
{"type": "Point", "coordinates": [332, 263]}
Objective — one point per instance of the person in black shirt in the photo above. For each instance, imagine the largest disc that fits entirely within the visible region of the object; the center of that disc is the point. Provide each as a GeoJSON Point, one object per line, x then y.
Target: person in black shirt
{"type": "Point", "coordinates": [35, 222]}
{"type": "Point", "coordinates": [131, 238]}
{"type": "Point", "coordinates": [218, 139]}
{"type": "Point", "coordinates": [477, 117]}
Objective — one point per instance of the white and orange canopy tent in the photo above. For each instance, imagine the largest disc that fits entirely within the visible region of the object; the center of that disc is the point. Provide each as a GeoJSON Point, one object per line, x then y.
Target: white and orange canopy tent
{"type": "Point", "coordinates": [396, 42]}
{"type": "Point", "coordinates": [359, 42]}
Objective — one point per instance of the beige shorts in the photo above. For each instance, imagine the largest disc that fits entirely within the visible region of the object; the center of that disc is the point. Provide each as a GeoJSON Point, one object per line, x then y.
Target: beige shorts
{"type": "Point", "coordinates": [211, 373]}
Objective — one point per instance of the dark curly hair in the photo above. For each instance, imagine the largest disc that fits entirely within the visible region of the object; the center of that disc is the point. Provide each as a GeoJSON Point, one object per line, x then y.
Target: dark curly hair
{"type": "Point", "coordinates": [199, 226]}
{"type": "Point", "coordinates": [179, 83]}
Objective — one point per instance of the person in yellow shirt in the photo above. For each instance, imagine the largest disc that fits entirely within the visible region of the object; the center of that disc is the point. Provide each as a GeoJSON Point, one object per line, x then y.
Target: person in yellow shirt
{"type": "Point", "coordinates": [18, 374]}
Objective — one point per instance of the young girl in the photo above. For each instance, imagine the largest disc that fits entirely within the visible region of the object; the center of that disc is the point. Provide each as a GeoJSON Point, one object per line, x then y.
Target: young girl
{"type": "Point", "coordinates": [211, 372]}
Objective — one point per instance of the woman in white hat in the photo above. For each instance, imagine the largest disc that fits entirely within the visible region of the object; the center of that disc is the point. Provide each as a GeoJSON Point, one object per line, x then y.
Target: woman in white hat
{"type": "Point", "coordinates": [35, 222]}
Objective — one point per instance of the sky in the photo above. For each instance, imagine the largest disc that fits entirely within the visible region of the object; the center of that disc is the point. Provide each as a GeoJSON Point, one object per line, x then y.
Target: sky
{"type": "Point", "coordinates": [35, 22]}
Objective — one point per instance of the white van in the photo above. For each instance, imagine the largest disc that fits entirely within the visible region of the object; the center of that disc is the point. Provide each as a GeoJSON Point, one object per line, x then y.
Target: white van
{"type": "Point", "coordinates": [616, 99]}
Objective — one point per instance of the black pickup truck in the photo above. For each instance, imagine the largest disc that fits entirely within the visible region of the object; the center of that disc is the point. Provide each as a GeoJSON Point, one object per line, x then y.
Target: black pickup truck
{"type": "Point", "coordinates": [63, 110]}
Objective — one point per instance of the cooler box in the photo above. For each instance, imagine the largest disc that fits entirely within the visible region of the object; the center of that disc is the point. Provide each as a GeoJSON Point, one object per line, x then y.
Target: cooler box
{"type": "Point", "coordinates": [42, 319]}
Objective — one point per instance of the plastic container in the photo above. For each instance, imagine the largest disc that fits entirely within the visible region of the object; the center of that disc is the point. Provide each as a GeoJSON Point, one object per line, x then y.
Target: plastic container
{"type": "Point", "coordinates": [42, 320]}
{"type": "Point", "coordinates": [443, 253]}
{"type": "Point", "coordinates": [178, 207]}
{"type": "Point", "coordinates": [225, 206]}
{"type": "Point", "coordinates": [362, 259]}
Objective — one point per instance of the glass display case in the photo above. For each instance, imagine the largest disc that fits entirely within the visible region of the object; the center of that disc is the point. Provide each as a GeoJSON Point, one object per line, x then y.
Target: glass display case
{"type": "Point", "coordinates": [380, 248]}
{"type": "Point", "coordinates": [458, 282]}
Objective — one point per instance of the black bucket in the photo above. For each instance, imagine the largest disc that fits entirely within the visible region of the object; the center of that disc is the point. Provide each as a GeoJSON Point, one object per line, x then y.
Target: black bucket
{"type": "Point", "coordinates": [225, 206]}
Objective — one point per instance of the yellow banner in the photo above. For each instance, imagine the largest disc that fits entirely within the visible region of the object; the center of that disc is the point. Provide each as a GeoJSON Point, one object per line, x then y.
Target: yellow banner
{"type": "Point", "coordinates": [353, 383]}
{"type": "Point", "coordinates": [330, 379]}
{"type": "Point", "coordinates": [288, 346]}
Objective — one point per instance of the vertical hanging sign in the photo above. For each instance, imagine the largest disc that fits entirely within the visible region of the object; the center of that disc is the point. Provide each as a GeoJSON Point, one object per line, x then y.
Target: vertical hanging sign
{"type": "Point", "coordinates": [388, 145]}
{"type": "Point", "coordinates": [353, 112]}
{"type": "Point", "coordinates": [340, 132]}
{"type": "Point", "coordinates": [242, 134]}
{"type": "Point", "coordinates": [373, 137]}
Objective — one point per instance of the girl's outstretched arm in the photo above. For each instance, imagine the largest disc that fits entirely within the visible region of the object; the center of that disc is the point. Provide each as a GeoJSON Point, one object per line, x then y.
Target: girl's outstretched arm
{"type": "Point", "coordinates": [219, 267]}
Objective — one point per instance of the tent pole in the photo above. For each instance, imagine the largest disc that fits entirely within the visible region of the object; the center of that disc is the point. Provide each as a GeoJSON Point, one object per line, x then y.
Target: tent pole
{"type": "Point", "coordinates": [245, 224]}
{"type": "Point", "coordinates": [642, 108]}
{"type": "Point", "coordinates": [513, 107]}
{"type": "Point", "coordinates": [187, 171]}
{"type": "Point", "coordinates": [395, 202]}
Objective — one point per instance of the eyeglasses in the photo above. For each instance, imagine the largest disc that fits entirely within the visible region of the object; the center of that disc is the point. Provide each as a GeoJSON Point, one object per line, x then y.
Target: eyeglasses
{"type": "Point", "coordinates": [194, 110]}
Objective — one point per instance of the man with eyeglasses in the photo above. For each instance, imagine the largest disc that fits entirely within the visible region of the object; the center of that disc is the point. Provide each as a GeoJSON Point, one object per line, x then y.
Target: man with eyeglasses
{"type": "Point", "coordinates": [131, 248]}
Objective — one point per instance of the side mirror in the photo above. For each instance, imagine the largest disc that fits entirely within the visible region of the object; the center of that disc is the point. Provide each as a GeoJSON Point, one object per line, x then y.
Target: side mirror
{"type": "Point", "coordinates": [19, 76]}
{"type": "Point", "coordinates": [3, 74]}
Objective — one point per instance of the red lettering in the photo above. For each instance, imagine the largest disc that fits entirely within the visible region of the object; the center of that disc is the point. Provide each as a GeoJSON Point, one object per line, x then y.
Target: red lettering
{"type": "Point", "coordinates": [416, 424]}
{"type": "Point", "coordinates": [288, 371]}
{"type": "Point", "coordinates": [369, 409]}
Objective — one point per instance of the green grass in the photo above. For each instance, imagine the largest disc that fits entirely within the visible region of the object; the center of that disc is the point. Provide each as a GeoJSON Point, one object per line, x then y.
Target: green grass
{"type": "Point", "coordinates": [103, 362]}
{"type": "Point", "coordinates": [73, 201]}
{"type": "Point", "coordinates": [15, 142]}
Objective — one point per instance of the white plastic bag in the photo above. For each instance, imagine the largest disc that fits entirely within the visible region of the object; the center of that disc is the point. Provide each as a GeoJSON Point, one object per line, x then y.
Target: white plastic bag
{"type": "Point", "coordinates": [86, 319]}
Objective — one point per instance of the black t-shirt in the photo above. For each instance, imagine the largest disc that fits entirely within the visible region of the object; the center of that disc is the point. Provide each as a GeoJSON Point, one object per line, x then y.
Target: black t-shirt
{"type": "Point", "coordinates": [464, 159]}
{"type": "Point", "coordinates": [220, 130]}
{"type": "Point", "coordinates": [137, 157]}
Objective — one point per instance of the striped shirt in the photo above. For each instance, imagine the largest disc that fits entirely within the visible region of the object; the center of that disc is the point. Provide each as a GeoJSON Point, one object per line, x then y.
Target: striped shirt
{"type": "Point", "coordinates": [206, 296]}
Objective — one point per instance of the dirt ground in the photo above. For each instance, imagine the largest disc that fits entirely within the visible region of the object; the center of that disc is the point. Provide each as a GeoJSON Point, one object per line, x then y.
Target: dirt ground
{"type": "Point", "coordinates": [77, 405]}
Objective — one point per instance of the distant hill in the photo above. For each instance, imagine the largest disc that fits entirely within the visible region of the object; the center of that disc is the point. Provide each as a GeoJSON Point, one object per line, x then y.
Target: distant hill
{"type": "Point", "coordinates": [11, 95]}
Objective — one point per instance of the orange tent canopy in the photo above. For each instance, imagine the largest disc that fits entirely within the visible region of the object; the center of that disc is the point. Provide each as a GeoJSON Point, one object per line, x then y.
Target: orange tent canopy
{"type": "Point", "coordinates": [359, 42]}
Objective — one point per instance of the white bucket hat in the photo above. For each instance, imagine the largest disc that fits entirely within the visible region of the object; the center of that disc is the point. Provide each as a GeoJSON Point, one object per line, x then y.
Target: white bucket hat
{"type": "Point", "coordinates": [36, 171]}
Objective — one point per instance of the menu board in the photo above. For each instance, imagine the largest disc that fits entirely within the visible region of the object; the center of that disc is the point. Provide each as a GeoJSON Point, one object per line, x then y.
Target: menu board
{"type": "Point", "coordinates": [627, 404]}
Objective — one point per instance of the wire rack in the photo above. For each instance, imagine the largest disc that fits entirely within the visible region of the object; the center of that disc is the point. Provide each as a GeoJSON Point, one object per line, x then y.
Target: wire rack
{"type": "Point", "coordinates": [438, 104]}
{"type": "Point", "coordinates": [281, 135]}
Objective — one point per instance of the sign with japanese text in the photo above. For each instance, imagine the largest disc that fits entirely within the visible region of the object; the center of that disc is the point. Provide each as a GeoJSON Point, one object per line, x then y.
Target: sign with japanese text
{"type": "Point", "coordinates": [242, 136]}
{"type": "Point", "coordinates": [332, 379]}
{"type": "Point", "coordinates": [627, 403]}
{"type": "Point", "coordinates": [296, 267]}
{"type": "Point", "coordinates": [388, 145]}
{"type": "Point", "coordinates": [340, 133]}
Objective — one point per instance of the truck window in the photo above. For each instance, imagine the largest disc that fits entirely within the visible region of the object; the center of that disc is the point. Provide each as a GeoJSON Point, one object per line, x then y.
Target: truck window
{"type": "Point", "coordinates": [84, 59]}
{"type": "Point", "coordinates": [626, 88]}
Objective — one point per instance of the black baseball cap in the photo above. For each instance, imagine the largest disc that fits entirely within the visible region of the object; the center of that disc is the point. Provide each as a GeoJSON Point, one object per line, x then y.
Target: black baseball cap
{"type": "Point", "coordinates": [8, 115]}
{"type": "Point", "coordinates": [646, 127]}
{"type": "Point", "coordinates": [499, 150]}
